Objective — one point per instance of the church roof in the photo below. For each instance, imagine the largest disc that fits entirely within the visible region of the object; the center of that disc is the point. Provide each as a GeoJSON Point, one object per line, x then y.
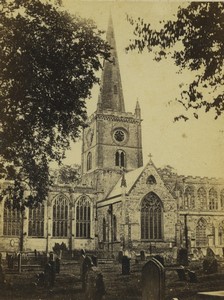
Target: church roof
{"type": "Point", "coordinates": [111, 94]}
{"type": "Point", "coordinates": [130, 179]}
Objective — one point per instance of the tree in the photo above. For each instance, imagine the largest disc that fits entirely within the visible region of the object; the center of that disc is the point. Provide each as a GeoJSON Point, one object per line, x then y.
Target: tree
{"type": "Point", "coordinates": [48, 62]}
{"type": "Point", "coordinates": [195, 40]}
{"type": "Point", "coordinates": [67, 174]}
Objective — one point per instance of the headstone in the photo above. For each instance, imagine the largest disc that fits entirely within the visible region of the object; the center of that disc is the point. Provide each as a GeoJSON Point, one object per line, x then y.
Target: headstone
{"type": "Point", "coordinates": [86, 266]}
{"type": "Point", "coordinates": [125, 265]}
{"type": "Point", "coordinates": [120, 256]}
{"type": "Point", "coordinates": [57, 265]}
{"type": "Point", "coordinates": [192, 276]}
{"type": "Point", "coordinates": [174, 253]}
{"type": "Point", "coordinates": [181, 273]}
{"type": "Point", "coordinates": [182, 257]}
{"type": "Point", "coordinates": [142, 255]}
{"type": "Point", "coordinates": [100, 287]}
{"type": "Point", "coordinates": [153, 280]}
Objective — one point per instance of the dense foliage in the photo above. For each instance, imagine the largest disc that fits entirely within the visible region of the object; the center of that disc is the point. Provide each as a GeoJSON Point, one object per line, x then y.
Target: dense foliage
{"type": "Point", "coordinates": [48, 61]}
{"type": "Point", "coordinates": [195, 40]}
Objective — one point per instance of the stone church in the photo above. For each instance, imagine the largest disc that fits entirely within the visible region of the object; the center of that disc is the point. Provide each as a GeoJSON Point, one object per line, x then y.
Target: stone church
{"type": "Point", "coordinates": [119, 202]}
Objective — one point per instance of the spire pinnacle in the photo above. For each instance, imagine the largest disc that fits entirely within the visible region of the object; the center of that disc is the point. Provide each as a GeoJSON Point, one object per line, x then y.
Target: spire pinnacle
{"type": "Point", "coordinates": [111, 94]}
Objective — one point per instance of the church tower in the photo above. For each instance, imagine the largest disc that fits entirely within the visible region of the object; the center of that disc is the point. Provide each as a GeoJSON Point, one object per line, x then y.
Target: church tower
{"type": "Point", "coordinates": [112, 141]}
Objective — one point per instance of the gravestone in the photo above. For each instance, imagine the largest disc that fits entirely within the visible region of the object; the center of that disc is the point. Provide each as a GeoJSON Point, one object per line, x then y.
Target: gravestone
{"type": "Point", "coordinates": [210, 263]}
{"type": "Point", "coordinates": [181, 273]}
{"type": "Point", "coordinates": [192, 276]}
{"type": "Point", "coordinates": [125, 265]}
{"type": "Point", "coordinates": [120, 256]}
{"type": "Point", "coordinates": [182, 257]}
{"type": "Point", "coordinates": [153, 280]}
{"type": "Point", "coordinates": [142, 255]}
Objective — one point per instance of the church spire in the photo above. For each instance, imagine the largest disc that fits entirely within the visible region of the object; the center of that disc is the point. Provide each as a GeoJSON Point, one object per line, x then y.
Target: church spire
{"type": "Point", "coordinates": [111, 95]}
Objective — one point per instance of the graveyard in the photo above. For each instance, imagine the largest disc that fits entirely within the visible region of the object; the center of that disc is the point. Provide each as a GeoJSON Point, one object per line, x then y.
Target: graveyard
{"type": "Point", "coordinates": [124, 278]}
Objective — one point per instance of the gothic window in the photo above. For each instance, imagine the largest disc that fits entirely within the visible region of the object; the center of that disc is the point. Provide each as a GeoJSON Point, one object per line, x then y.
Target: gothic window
{"type": "Point", "coordinates": [151, 180]}
{"type": "Point", "coordinates": [213, 199]}
{"type": "Point", "coordinates": [222, 198]}
{"type": "Point", "coordinates": [189, 201]}
{"type": "Point", "coordinates": [120, 158]}
{"type": "Point", "coordinates": [221, 234]}
{"type": "Point", "coordinates": [115, 89]}
{"type": "Point", "coordinates": [202, 198]}
{"type": "Point", "coordinates": [201, 238]}
{"type": "Point", "coordinates": [89, 161]}
{"type": "Point", "coordinates": [104, 230]}
{"type": "Point", "coordinates": [36, 221]}
{"type": "Point", "coordinates": [114, 228]}
{"type": "Point", "coordinates": [11, 221]}
{"type": "Point", "coordinates": [83, 217]}
{"type": "Point", "coordinates": [60, 216]}
{"type": "Point", "coordinates": [151, 217]}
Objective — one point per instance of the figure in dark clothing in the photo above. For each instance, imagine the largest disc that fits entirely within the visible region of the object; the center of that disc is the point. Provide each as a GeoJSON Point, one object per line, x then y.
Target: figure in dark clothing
{"type": "Point", "coordinates": [86, 265]}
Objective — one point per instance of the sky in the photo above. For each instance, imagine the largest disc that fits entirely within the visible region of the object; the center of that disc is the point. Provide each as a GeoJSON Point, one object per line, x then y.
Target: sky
{"type": "Point", "coordinates": [195, 147]}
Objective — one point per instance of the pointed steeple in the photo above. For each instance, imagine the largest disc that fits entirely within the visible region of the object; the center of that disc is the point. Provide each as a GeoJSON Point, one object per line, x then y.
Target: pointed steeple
{"type": "Point", "coordinates": [138, 110]}
{"type": "Point", "coordinates": [111, 95]}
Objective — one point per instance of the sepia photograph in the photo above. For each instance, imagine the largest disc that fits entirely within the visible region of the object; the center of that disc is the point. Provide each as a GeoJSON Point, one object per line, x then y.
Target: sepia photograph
{"type": "Point", "coordinates": [111, 150]}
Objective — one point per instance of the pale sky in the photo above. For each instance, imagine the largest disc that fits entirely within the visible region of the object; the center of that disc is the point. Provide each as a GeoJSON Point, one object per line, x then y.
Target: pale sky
{"type": "Point", "coordinates": [195, 147]}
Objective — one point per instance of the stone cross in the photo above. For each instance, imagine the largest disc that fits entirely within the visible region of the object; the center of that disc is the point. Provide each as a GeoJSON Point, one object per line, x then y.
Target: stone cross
{"type": "Point", "coordinates": [153, 280]}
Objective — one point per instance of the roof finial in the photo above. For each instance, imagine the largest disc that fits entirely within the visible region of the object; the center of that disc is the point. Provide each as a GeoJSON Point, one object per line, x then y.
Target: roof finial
{"type": "Point", "coordinates": [150, 157]}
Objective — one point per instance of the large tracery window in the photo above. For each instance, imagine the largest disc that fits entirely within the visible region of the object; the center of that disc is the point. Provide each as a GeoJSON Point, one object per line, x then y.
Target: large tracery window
{"type": "Point", "coordinates": [202, 198]}
{"type": "Point", "coordinates": [201, 238]}
{"type": "Point", "coordinates": [120, 158]}
{"type": "Point", "coordinates": [189, 201]}
{"type": "Point", "coordinates": [151, 217]}
{"type": "Point", "coordinates": [83, 217]}
{"type": "Point", "coordinates": [213, 199]}
{"type": "Point", "coordinates": [60, 216]}
{"type": "Point", "coordinates": [11, 221]}
{"type": "Point", "coordinates": [36, 221]}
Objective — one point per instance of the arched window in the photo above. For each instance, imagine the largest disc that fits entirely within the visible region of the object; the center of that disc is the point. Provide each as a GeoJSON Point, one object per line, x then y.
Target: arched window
{"type": "Point", "coordinates": [151, 180]}
{"type": "Point", "coordinates": [60, 216]}
{"type": "Point", "coordinates": [213, 199]}
{"type": "Point", "coordinates": [114, 228]}
{"type": "Point", "coordinates": [201, 238]}
{"type": "Point", "coordinates": [104, 230]}
{"type": "Point", "coordinates": [202, 198]}
{"type": "Point", "coordinates": [89, 161]}
{"type": "Point", "coordinates": [222, 198]}
{"type": "Point", "coordinates": [11, 221]}
{"type": "Point", "coordinates": [83, 217]}
{"type": "Point", "coordinates": [221, 234]}
{"type": "Point", "coordinates": [151, 217]}
{"type": "Point", "coordinates": [36, 221]}
{"type": "Point", "coordinates": [120, 158]}
{"type": "Point", "coordinates": [189, 201]}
